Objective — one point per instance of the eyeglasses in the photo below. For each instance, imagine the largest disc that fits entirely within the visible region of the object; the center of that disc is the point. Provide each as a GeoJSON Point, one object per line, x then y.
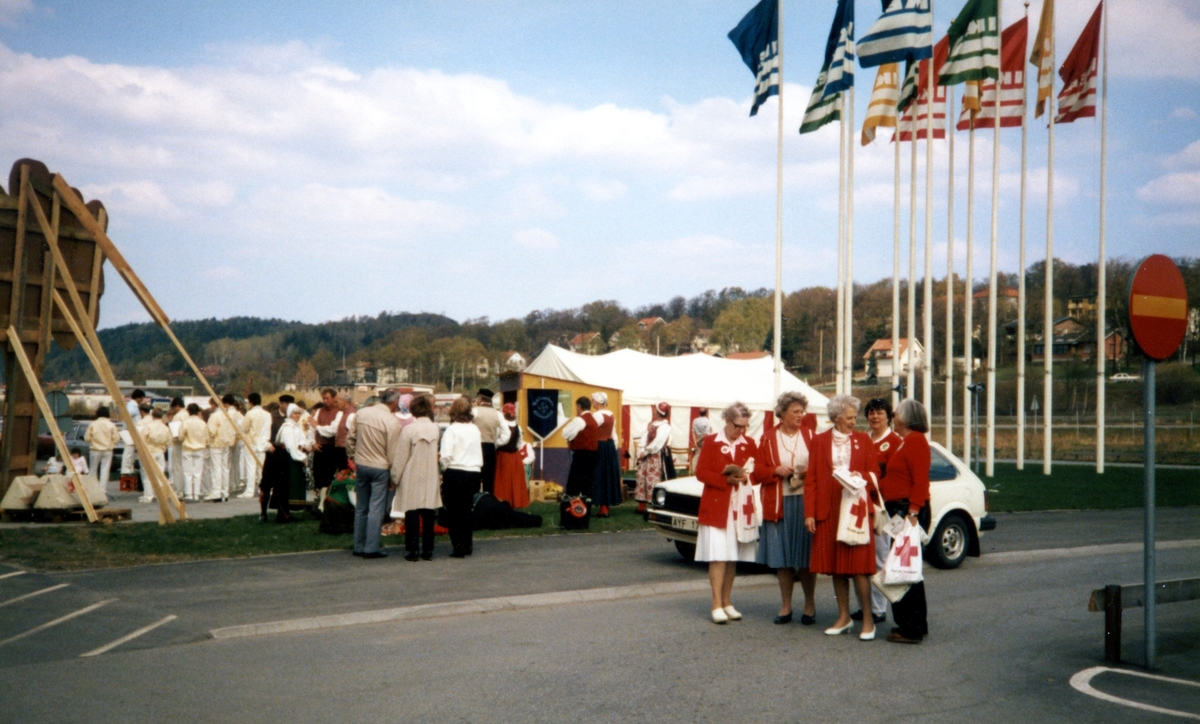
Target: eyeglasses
{"type": "Point", "coordinates": [739, 427]}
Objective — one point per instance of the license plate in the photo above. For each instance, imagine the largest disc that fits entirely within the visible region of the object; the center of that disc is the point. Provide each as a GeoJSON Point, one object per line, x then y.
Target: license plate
{"type": "Point", "coordinates": [687, 524]}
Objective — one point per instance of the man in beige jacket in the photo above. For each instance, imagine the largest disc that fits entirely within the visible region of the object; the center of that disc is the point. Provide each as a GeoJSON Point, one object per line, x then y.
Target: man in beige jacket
{"type": "Point", "coordinates": [158, 438]}
{"type": "Point", "coordinates": [221, 437]}
{"type": "Point", "coordinates": [101, 436]}
{"type": "Point", "coordinates": [371, 441]}
{"type": "Point", "coordinates": [194, 438]}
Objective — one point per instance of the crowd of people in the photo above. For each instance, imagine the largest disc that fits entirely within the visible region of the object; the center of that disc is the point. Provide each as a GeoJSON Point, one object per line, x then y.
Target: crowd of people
{"type": "Point", "coordinates": [793, 525]}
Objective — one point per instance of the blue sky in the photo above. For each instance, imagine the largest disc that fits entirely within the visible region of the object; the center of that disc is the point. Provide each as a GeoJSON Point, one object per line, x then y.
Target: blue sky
{"type": "Point", "coordinates": [312, 161]}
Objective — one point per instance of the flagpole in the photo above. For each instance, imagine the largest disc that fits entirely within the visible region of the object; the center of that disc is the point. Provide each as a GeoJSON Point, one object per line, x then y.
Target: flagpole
{"type": "Point", "coordinates": [991, 370]}
{"type": "Point", "coordinates": [1048, 297]}
{"type": "Point", "coordinates": [927, 305]}
{"type": "Point", "coordinates": [950, 129]}
{"type": "Point", "coordinates": [911, 326]}
{"type": "Point", "coordinates": [777, 343]}
{"type": "Point", "coordinates": [848, 126]}
{"type": "Point", "coordinates": [1021, 274]}
{"type": "Point", "coordinates": [896, 269]}
{"type": "Point", "coordinates": [968, 296]}
{"type": "Point", "coordinates": [1102, 270]}
{"type": "Point", "coordinates": [841, 282]}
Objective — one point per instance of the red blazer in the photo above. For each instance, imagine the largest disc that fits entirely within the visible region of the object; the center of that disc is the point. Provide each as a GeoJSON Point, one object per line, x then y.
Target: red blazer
{"type": "Point", "coordinates": [714, 456]}
{"type": "Point", "coordinates": [587, 437]}
{"type": "Point", "coordinates": [908, 472]}
{"type": "Point", "coordinates": [764, 471]}
{"type": "Point", "coordinates": [885, 448]}
{"type": "Point", "coordinates": [823, 493]}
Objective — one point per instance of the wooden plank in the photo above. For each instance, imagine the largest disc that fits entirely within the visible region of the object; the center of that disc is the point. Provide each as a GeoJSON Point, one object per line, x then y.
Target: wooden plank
{"type": "Point", "coordinates": [18, 284]}
{"type": "Point", "coordinates": [77, 207]}
{"type": "Point", "coordinates": [94, 288]}
{"type": "Point", "coordinates": [63, 452]}
{"type": "Point", "coordinates": [8, 453]}
{"type": "Point", "coordinates": [91, 345]}
{"type": "Point", "coordinates": [1134, 594]}
{"type": "Point", "coordinates": [37, 515]}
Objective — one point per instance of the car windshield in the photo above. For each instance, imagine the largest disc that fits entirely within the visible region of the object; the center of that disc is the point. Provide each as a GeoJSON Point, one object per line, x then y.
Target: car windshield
{"type": "Point", "coordinates": [940, 468]}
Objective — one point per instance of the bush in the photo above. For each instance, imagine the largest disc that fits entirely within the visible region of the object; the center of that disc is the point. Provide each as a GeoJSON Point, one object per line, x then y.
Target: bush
{"type": "Point", "coordinates": [1177, 384]}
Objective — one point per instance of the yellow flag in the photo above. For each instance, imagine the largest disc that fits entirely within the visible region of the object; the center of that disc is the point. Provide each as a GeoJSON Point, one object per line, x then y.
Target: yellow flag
{"type": "Point", "coordinates": [971, 93]}
{"type": "Point", "coordinates": [1043, 57]}
{"type": "Point", "coordinates": [884, 97]}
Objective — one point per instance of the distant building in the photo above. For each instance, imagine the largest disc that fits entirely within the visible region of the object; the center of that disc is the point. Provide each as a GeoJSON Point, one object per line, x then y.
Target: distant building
{"type": "Point", "coordinates": [512, 360]}
{"type": "Point", "coordinates": [881, 352]}
{"type": "Point", "coordinates": [648, 322]}
{"type": "Point", "coordinates": [587, 343]}
{"type": "Point", "coordinates": [702, 343]}
{"type": "Point", "coordinates": [748, 355]}
{"type": "Point", "coordinates": [1074, 340]}
{"type": "Point", "coordinates": [1004, 297]}
{"type": "Point", "coordinates": [1082, 308]}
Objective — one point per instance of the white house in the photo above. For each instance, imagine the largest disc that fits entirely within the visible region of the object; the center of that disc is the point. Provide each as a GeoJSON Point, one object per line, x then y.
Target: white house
{"type": "Point", "coordinates": [881, 352]}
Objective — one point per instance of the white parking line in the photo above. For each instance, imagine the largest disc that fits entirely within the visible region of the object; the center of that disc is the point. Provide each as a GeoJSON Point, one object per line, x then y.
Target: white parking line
{"type": "Point", "coordinates": [57, 621]}
{"type": "Point", "coordinates": [1082, 682]}
{"type": "Point", "coordinates": [129, 637]}
{"type": "Point", "coordinates": [10, 575]}
{"type": "Point", "coordinates": [35, 593]}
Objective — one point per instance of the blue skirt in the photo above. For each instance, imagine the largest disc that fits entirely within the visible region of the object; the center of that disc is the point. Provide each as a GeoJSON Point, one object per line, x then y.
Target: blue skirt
{"type": "Point", "coordinates": [606, 487]}
{"type": "Point", "coordinates": [786, 543]}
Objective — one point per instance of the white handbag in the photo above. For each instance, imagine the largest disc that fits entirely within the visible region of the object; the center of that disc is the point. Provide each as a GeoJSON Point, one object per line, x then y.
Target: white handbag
{"type": "Point", "coordinates": [903, 564]}
{"type": "Point", "coordinates": [854, 520]}
{"type": "Point", "coordinates": [892, 592]}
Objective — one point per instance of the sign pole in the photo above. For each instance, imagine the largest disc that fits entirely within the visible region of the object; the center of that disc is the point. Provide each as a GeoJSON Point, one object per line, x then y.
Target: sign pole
{"type": "Point", "coordinates": [1148, 563]}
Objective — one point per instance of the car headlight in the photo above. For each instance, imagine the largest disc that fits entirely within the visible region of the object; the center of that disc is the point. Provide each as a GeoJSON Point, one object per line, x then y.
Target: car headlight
{"type": "Point", "coordinates": [659, 497]}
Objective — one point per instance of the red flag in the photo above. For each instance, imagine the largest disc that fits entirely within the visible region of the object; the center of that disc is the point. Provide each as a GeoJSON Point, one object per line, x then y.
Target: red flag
{"type": "Point", "coordinates": [1012, 85]}
{"type": "Point", "coordinates": [921, 106]}
{"type": "Point", "coordinates": [1078, 73]}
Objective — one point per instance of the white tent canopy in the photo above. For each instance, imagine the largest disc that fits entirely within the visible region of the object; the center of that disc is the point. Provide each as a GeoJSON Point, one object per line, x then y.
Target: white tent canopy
{"type": "Point", "coordinates": [691, 380]}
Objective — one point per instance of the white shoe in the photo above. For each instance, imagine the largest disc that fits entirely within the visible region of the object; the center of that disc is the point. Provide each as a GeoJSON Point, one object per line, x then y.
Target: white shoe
{"type": "Point", "coordinates": [718, 616]}
{"type": "Point", "coordinates": [733, 613]}
{"type": "Point", "coordinates": [867, 636]}
{"type": "Point", "coordinates": [145, 500]}
{"type": "Point", "coordinates": [837, 630]}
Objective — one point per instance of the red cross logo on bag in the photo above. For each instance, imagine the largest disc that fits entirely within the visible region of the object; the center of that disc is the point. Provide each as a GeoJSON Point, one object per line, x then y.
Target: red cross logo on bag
{"type": "Point", "coordinates": [906, 551]}
{"type": "Point", "coordinates": [748, 508]}
{"type": "Point", "coordinates": [859, 511]}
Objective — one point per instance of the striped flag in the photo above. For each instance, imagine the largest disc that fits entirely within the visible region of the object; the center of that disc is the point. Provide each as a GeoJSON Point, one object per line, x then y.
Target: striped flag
{"type": "Point", "coordinates": [882, 110]}
{"type": "Point", "coordinates": [825, 104]}
{"type": "Point", "coordinates": [916, 113]}
{"type": "Point", "coordinates": [1012, 85]}
{"type": "Point", "coordinates": [903, 32]}
{"type": "Point", "coordinates": [1043, 56]}
{"type": "Point", "coordinates": [1078, 73]}
{"type": "Point", "coordinates": [757, 39]}
{"type": "Point", "coordinates": [974, 44]}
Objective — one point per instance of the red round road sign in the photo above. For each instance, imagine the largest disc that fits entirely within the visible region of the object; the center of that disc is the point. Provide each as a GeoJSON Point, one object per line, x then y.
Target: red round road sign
{"type": "Point", "coordinates": [1158, 307]}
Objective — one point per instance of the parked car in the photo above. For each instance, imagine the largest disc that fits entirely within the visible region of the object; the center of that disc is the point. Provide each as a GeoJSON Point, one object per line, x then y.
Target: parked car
{"type": "Point", "coordinates": [957, 501]}
{"type": "Point", "coordinates": [1124, 377]}
{"type": "Point", "coordinates": [74, 440]}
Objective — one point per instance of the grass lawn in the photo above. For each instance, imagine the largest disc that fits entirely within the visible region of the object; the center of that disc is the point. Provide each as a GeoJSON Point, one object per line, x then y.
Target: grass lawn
{"type": "Point", "coordinates": [79, 547]}
{"type": "Point", "coordinates": [1079, 487]}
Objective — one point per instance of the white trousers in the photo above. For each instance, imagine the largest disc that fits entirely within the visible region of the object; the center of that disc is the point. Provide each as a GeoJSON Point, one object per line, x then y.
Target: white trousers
{"type": "Point", "coordinates": [100, 463]}
{"type": "Point", "coordinates": [147, 489]}
{"type": "Point", "coordinates": [251, 473]}
{"type": "Point", "coordinates": [128, 458]}
{"type": "Point", "coordinates": [193, 472]}
{"type": "Point", "coordinates": [177, 468]}
{"type": "Point", "coordinates": [883, 543]}
{"type": "Point", "coordinates": [218, 458]}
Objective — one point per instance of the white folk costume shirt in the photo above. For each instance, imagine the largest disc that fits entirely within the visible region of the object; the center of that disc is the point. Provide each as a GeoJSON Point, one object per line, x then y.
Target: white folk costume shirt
{"type": "Point", "coordinates": [329, 432]}
{"type": "Point", "coordinates": [461, 448]}
{"type": "Point", "coordinates": [793, 453]}
{"type": "Point", "coordinates": [220, 431]}
{"type": "Point", "coordinates": [572, 429]}
{"type": "Point", "coordinates": [656, 437]}
{"type": "Point", "coordinates": [180, 417]}
{"type": "Point", "coordinates": [156, 435]}
{"type": "Point", "coordinates": [257, 426]}
{"type": "Point", "coordinates": [102, 435]}
{"type": "Point", "coordinates": [292, 437]}
{"type": "Point", "coordinates": [194, 434]}
{"type": "Point", "coordinates": [598, 416]}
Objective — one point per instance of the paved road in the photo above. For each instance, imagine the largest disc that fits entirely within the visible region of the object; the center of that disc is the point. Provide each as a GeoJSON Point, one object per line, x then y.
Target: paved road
{"type": "Point", "coordinates": [1006, 638]}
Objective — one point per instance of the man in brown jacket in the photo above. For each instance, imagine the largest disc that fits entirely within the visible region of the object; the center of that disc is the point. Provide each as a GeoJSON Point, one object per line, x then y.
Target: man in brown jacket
{"type": "Point", "coordinates": [371, 440]}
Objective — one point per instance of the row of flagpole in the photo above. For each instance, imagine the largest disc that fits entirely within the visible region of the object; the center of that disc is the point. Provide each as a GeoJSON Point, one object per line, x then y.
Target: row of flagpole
{"type": "Point", "coordinates": [974, 51]}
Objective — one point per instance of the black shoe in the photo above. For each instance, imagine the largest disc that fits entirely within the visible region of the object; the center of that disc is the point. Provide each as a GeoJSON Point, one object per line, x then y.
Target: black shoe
{"type": "Point", "coordinates": [879, 617]}
{"type": "Point", "coordinates": [470, 551]}
{"type": "Point", "coordinates": [806, 620]}
{"type": "Point", "coordinates": [376, 554]}
{"type": "Point", "coordinates": [358, 554]}
{"type": "Point", "coordinates": [783, 618]}
{"type": "Point", "coordinates": [458, 554]}
{"type": "Point", "coordinates": [412, 557]}
{"type": "Point", "coordinates": [857, 615]}
{"type": "Point", "coordinates": [427, 557]}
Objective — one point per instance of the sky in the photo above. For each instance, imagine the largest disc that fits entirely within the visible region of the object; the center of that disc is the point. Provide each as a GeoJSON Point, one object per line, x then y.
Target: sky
{"type": "Point", "coordinates": [313, 161]}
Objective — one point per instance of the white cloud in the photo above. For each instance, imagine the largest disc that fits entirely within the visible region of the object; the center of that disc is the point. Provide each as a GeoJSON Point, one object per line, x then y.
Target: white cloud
{"type": "Point", "coordinates": [137, 198]}
{"type": "Point", "coordinates": [597, 190]}
{"type": "Point", "coordinates": [1183, 113]}
{"type": "Point", "coordinates": [12, 10]}
{"type": "Point", "coordinates": [538, 239]}
{"type": "Point", "coordinates": [1174, 188]}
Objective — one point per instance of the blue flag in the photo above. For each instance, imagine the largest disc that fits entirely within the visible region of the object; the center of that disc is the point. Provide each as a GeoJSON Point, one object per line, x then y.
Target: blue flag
{"type": "Point", "coordinates": [839, 50]}
{"type": "Point", "coordinates": [757, 40]}
{"type": "Point", "coordinates": [903, 32]}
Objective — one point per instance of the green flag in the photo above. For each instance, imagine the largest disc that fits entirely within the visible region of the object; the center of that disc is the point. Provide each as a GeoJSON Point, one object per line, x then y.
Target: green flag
{"type": "Point", "coordinates": [822, 108]}
{"type": "Point", "coordinates": [974, 44]}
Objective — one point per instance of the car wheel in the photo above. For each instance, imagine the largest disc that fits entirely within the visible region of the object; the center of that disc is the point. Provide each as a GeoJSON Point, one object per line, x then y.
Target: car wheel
{"type": "Point", "coordinates": [948, 546]}
{"type": "Point", "coordinates": [687, 550]}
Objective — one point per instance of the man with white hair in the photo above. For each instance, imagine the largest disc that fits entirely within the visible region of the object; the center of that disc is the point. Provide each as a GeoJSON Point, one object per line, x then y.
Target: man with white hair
{"type": "Point", "coordinates": [371, 441]}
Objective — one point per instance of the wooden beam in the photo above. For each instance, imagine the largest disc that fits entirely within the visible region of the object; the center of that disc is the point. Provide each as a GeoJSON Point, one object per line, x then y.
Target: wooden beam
{"type": "Point", "coordinates": [91, 343]}
{"type": "Point", "coordinates": [77, 207]}
{"type": "Point", "coordinates": [15, 340]}
{"type": "Point", "coordinates": [94, 287]}
{"type": "Point", "coordinates": [18, 282]}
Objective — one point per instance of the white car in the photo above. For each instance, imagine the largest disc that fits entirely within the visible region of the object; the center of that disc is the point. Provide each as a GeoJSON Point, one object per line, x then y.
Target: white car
{"type": "Point", "coordinates": [1124, 377]}
{"type": "Point", "coordinates": [957, 501]}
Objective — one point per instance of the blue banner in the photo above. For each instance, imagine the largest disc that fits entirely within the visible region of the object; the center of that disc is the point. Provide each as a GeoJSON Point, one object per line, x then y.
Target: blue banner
{"type": "Point", "coordinates": [542, 418]}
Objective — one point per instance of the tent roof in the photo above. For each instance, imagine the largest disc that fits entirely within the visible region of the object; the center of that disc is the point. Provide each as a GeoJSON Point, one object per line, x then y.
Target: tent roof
{"type": "Point", "coordinates": [690, 380]}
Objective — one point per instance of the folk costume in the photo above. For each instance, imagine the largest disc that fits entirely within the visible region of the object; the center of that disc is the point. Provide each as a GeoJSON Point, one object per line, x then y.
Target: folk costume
{"type": "Point", "coordinates": [720, 514]}
{"type": "Point", "coordinates": [581, 435]}
{"type": "Point", "coordinates": [852, 452]}
{"type": "Point", "coordinates": [221, 437]}
{"type": "Point", "coordinates": [510, 467]}
{"type": "Point", "coordinates": [102, 437]}
{"type": "Point", "coordinates": [905, 491]}
{"type": "Point", "coordinates": [276, 476]}
{"type": "Point", "coordinates": [175, 459]}
{"type": "Point", "coordinates": [194, 438]}
{"type": "Point", "coordinates": [329, 458]}
{"type": "Point", "coordinates": [606, 488]}
{"type": "Point", "coordinates": [256, 425]}
{"type": "Point", "coordinates": [784, 542]}
{"type": "Point", "coordinates": [650, 460]}
{"type": "Point", "coordinates": [158, 438]}
{"type": "Point", "coordinates": [493, 432]}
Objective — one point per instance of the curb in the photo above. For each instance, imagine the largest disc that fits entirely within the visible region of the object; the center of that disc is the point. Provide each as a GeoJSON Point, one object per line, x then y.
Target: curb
{"type": "Point", "coordinates": [1051, 554]}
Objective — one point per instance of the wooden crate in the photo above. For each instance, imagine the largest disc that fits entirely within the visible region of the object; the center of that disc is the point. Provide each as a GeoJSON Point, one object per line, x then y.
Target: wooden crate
{"type": "Point", "coordinates": [73, 515]}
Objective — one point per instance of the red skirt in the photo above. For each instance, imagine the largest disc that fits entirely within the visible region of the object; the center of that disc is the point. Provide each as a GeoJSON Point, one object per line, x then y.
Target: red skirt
{"type": "Point", "coordinates": [510, 480]}
{"type": "Point", "coordinates": [838, 559]}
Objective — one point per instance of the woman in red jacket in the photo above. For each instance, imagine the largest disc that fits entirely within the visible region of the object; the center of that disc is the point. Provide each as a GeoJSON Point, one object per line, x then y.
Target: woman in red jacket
{"type": "Point", "coordinates": [879, 420]}
{"type": "Point", "coordinates": [841, 448]}
{"type": "Point", "coordinates": [726, 464]}
{"type": "Point", "coordinates": [783, 542]}
{"type": "Point", "coordinates": [905, 491]}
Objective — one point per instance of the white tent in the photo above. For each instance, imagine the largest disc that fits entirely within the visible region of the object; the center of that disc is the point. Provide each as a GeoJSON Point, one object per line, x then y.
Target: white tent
{"type": "Point", "coordinates": [685, 382]}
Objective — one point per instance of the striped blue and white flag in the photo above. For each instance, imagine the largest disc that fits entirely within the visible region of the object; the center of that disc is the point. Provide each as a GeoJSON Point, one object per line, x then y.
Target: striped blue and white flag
{"type": "Point", "coordinates": [837, 72]}
{"type": "Point", "coordinates": [903, 32]}
{"type": "Point", "coordinates": [757, 39]}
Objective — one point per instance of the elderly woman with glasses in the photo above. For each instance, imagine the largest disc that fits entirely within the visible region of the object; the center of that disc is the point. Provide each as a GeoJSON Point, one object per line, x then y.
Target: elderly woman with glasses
{"type": "Point", "coordinates": [848, 451]}
{"type": "Point", "coordinates": [905, 491]}
{"type": "Point", "coordinates": [726, 466]}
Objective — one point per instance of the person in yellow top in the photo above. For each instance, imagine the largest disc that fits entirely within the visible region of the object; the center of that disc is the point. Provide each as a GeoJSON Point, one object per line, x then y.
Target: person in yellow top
{"type": "Point", "coordinates": [174, 419]}
{"type": "Point", "coordinates": [237, 450]}
{"type": "Point", "coordinates": [221, 437]}
{"type": "Point", "coordinates": [257, 426]}
{"type": "Point", "coordinates": [101, 436]}
{"type": "Point", "coordinates": [158, 438]}
{"type": "Point", "coordinates": [193, 436]}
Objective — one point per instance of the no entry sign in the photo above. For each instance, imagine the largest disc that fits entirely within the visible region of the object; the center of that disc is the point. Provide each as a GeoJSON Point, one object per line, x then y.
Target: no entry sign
{"type": "Point", "coordinates": [1158, 307]}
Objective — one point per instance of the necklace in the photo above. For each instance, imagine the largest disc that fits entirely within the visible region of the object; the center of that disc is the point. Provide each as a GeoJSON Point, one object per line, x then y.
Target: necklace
{"type": "Point", "coordinates": [791, 449]}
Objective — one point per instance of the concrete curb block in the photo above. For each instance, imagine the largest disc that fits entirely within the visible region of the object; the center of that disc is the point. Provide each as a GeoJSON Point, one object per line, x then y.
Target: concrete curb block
{"type": "Point", "coordinates": [479, 606]}
{"type": "Point", "coordinates": [1051, 554]}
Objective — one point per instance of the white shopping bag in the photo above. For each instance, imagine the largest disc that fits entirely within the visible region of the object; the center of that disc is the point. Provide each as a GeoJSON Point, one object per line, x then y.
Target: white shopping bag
{"type": "Point", "coordinates": [748, 513]}
{"type": "Point", "coordinates": [903, 563]}
{"type": "Point", "coordinates": [854, 521]}
{"type": "Point", "coordinates": [892, 592]}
